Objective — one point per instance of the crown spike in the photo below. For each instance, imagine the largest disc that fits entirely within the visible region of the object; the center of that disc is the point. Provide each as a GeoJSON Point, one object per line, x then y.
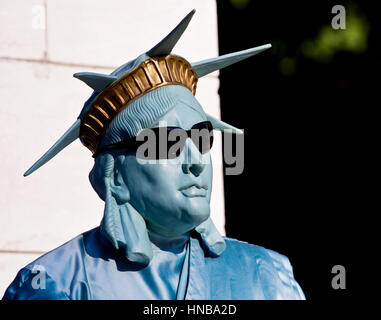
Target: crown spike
{"type": "Point", "coordinates": [221, 125]}
{"type": "Point", "coordinates": [68, 137]}
{"type": "Point", "coordinates": [97, 81]}
{"type": "Point", "coordinates": [165, 46]}
{"type": "Point", "coordinates": [205, 67]}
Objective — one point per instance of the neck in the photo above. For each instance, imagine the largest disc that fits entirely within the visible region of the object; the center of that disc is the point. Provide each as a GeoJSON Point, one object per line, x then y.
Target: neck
{"type": "Point", "coordinates": [168, 243]}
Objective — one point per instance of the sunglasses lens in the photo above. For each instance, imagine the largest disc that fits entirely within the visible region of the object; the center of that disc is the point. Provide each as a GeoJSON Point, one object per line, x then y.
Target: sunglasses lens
{"type": "Point", "coordinates": [175, 142]}
{"type": "Point", "coordinates": [164, 143]}
{"type": "Point", "coordinates": [202, 136]}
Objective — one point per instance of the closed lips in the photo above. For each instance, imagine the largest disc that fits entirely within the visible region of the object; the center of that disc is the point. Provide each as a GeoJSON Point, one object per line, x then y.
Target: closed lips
{"type": "Point", "coordinates": [194, 190]}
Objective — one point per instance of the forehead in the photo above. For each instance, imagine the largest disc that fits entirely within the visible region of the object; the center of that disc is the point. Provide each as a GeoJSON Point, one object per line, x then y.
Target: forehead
{"type": "Point", "coordinates": [183, 115]}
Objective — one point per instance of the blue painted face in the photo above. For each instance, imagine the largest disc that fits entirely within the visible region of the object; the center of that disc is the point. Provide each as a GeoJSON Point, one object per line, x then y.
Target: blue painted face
{"type": "Point", "coordinates": [172, 195]}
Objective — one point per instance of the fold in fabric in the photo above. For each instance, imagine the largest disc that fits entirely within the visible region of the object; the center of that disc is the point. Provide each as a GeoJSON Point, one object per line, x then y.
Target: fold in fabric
{"type": "Point", "coordinates": [88, 267]}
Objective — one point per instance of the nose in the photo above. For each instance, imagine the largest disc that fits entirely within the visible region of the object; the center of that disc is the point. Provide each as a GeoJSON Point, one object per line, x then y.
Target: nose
{"type": "Point", "coordinates": [194, 168]}
{"type": "Point", "coordinates": [193, 159]}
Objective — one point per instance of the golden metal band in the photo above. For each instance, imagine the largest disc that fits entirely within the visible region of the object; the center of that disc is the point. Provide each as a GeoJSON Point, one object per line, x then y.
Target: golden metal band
{"type": "Point", "coordinates": [151, 74]}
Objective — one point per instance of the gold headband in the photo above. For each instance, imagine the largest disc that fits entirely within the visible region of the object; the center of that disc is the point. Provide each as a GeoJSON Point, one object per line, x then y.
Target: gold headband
{"type": "Point", "coordinates": [151, 74]}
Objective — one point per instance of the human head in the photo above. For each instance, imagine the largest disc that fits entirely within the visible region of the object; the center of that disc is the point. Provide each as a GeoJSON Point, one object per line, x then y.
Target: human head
{"type": "Point", "coordinates": [154, 189]}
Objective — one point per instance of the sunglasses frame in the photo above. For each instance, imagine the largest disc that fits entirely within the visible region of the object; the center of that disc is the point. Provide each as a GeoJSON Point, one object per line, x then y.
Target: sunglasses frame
{"type": "Point", "coordinates": [132, 144]}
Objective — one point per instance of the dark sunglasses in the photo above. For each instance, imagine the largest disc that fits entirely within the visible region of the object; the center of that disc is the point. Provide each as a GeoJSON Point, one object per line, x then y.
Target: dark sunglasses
{"type": "Point", "coordinates": [166, 142]}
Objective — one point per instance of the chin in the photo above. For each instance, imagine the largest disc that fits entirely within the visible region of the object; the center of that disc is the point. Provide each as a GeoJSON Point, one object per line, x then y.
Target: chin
{"type": "Point", "coordinates": [197, 211]}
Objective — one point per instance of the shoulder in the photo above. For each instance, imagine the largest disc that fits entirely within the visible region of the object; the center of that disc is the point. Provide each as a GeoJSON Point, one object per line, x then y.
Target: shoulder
{"type": "Point", "coordinates": [260, 254]}
{"type": "Point", "coordinates": [274, 270]}
{"type": "Point", "coordinates": [52, 275]}
{"type": "Point", "coordinates": [34, 284]}
{"type": "Point", "coordinates": [62, 259]}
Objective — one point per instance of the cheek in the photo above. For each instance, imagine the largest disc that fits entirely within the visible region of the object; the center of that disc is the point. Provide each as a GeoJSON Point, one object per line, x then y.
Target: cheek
{"type": "Point", "coordinates": [152, 182]}
{"type": "Point", "coordinates": [162, 177]}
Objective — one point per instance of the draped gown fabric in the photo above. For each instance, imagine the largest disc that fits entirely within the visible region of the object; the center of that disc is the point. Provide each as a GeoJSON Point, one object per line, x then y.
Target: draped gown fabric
{"type": "Point", "coordinates": [88, 267]}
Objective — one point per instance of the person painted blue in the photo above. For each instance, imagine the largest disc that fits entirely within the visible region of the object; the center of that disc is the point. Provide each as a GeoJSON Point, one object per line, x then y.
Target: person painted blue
{"type": "Point", "coordinates": [156, 239]}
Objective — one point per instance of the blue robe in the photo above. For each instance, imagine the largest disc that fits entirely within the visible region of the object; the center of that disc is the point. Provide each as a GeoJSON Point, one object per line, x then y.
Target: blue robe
{"type": "Point", "coordinates": [88, 267]}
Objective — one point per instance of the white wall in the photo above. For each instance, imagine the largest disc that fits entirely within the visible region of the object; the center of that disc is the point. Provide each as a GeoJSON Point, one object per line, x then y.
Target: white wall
{"type": "Point", "coordinates": [42, 43]}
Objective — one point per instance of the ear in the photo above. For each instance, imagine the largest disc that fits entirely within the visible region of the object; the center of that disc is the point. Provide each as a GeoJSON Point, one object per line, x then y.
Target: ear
{"type": "Point", "coordinates": [117, 185]}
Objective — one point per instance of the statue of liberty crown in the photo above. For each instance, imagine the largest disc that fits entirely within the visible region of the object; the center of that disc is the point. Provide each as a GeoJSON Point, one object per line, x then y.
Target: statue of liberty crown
{"type": "Point", "coordinates": [114, 92]}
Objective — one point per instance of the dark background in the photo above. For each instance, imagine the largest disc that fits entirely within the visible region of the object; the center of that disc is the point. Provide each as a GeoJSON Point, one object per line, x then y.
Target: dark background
{"type": "Point", "coordinates": [303, 105]}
